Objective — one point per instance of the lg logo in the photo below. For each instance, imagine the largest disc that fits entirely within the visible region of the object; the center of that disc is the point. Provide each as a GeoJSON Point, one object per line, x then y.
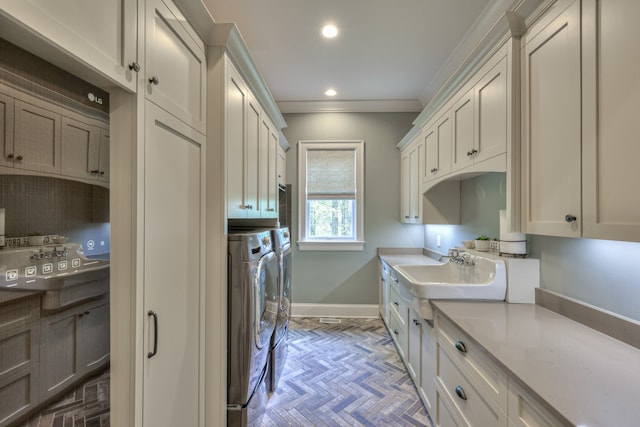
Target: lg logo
{"type": "Point", "coordinates": [94, 98]}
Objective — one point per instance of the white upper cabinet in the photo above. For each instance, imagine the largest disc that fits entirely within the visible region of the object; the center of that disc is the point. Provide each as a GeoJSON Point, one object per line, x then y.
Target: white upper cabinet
{"type": "Point", "coordinates": [99, 33]}
{"type": "Point", "coordinates": [491, 96]}
{"type": "Point", "coordinates": [437, 140]}
{"type": "Point", "coordinates": [175, 77]}
{"type": "Point", "coordinates": [580, 121]}
{"type": "Point", "coordinates": [411, 167]}
{"type": "Point", "coordinates": [463, 141]}
{"type": "Point", "coordinates": [551, 123]}
{"type": "Point", "coordinates": [36, 144]}
{"type": "Point", "coordinates": [610, 125]}
{"type": "Point", "coordinates": [282, 167]}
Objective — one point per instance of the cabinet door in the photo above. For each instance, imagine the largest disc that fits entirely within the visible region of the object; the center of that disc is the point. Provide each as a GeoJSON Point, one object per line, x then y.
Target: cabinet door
{"type": "Point", "coordinates": [273, 199]}
{"type": "Point", "coordinates": [6, 129]}
{"type": "Point", "coordinates": [415, 345]}
{"type": "Point", "coordinates": [100, 33]}
{"type": "Point", "coordinates": [104, 162]}
{"type": "Point", "coordinates": [463, 141]}
{"type": "Point", "coordinates": [93, 335]}
{"type": "Point", "coordinates": [176, 65]}
{"type": "Point", "coordinates": [36, 138]}
{"type": "Point", "coordinates": [282, 167]}
{"type": "Point", "coordinates": [80, 149]}
{"type": "Point", "coordinates": [172, 270]}
{"type": "Point", "coordinates": [263, 166]}
{"type": "Point", "coordinates": [610, 125]}
{"type": "Point", "coordinates": [491, 98]}
{"type": "Point", "coordinates": [58, 358]}
{"type": "Point", "coordinates": [405, 187]}
{"type": "Point", "coordinates": [252, 154]}
{"type": "Point", "coordinates": [428, 373]}
{"type": "Point", "coordinates": [415, 196]}
{"type": "Point", "coordinates": [438, 148]}
{"type": "Point", "coordinates": [236, 95]}
{"type": "Point", "coordinates": [551, 126]}
{"type": "Point", "coordinates": [431, 153]}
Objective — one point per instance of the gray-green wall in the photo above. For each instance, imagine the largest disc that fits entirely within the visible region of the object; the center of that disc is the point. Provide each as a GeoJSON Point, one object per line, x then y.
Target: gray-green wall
{"type": "Point", "coordinates": [351, 277]}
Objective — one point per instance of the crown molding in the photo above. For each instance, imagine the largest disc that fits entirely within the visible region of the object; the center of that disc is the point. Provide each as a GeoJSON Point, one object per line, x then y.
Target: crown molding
{"type": "Point", "coordinates": [353, 106]}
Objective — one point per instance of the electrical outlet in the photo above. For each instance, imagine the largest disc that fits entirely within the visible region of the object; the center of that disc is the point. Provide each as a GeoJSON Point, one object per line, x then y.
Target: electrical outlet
{"type": "Point", "coordinates": [438, 241]}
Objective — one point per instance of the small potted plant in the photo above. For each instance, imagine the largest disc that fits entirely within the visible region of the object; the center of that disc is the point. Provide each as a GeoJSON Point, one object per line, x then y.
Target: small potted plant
{"type": "Point", "coordinates": [482, 243]}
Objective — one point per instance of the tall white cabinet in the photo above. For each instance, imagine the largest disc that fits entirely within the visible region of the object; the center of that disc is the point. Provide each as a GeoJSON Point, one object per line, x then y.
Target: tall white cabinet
{"type": "Point", "coordinates": [173, 280]}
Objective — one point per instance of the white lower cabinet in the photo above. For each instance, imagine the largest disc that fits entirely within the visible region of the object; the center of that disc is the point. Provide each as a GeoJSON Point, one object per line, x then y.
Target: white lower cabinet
{"type": "Point", "coordinates": [428, 355]}
{"type": "Point", "coordinates": [475, 390]}
{"type": "Point", "coordinates": [525, 411]}
{"type": "Point", "coordinates": [415, 347]}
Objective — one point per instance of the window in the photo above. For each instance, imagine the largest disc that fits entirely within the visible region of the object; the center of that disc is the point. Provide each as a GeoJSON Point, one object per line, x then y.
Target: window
{"type": "Point", "coordinates": [331, 195]}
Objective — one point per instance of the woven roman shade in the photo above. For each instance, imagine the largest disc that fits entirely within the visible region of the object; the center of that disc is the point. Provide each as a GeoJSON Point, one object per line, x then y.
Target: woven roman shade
{"type": "Point", "coordinates": [331, 174]}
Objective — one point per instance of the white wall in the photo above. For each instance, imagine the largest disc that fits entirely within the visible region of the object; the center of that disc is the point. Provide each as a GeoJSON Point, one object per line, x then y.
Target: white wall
{"type": "Point", "coordinates": [351, 277]}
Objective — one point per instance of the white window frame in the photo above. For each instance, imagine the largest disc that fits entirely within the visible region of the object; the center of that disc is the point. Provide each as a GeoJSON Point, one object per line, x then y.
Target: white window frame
{"type": "Point", "coordinates": [304, 242]}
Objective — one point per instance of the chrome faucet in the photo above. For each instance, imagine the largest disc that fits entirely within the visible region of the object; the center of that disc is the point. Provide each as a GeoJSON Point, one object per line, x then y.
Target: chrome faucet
{"type": "Point", "coordinates": [457, 258]}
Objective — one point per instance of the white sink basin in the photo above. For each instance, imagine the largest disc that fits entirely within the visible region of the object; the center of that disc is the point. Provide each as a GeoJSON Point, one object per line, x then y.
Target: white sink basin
{"type": "Point", "coordinates": [485, 280]}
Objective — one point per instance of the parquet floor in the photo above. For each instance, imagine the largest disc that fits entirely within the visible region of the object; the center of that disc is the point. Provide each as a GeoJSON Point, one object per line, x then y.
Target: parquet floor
{"type": "Point", "coordinates": [345, 374]}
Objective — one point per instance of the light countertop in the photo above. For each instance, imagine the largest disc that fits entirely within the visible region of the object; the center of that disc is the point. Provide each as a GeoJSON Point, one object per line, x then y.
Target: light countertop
{"type": "Point", "coordinates": [400, 259]}
{"type": "Point", "coordinates": [588, 377]}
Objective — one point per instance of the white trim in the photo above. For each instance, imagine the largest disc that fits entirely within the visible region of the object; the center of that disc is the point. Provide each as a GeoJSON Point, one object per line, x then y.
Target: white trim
{"type": "Point", "coordinates": [351, 106]}
{"type": "Point", "coordinates": [342, 245]}
{"type": "Point", "coordinates": [335, 310]}
{"type": "Point", "coordinates": [331, 246]}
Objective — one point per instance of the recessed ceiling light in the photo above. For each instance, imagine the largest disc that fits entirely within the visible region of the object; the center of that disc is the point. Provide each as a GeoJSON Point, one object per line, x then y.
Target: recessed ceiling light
{"type": "Point", "coordinates": [331, 92]}
{"type": "Point", "coordinates": [329, 31]}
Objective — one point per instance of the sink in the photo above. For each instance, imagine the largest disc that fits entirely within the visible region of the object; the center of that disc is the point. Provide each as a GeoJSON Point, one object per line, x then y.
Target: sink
{"type": "Point", "coordinates": [486, 279]}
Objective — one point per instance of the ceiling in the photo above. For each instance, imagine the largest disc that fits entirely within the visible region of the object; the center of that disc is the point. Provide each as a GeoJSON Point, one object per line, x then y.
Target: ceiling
{"type": "Point", "coordinates": [389, 55]}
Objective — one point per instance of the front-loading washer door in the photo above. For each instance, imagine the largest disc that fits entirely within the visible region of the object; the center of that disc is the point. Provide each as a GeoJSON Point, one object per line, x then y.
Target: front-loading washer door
{"type": "Point", "coordinates": [265, 290]}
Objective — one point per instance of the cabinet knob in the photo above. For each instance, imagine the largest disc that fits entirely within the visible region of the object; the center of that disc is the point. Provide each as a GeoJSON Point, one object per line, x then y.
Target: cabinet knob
{"type": "Point", "coordinates": [461, 347]}
{"type": "Point", "coordinates": [570, 218]}
{"type": "Point", "coordinates": [416, 217]}
{"type": "Point", "coordinates": [154, 80]}
{"type": "Point", "coordinates": [469, 154]}
{"type": "Point", "coordinates": [9, 156]}
{"type": "Point", "coordinates": [94, 172]}
{"type": "Point", "coordinates": [406, 216]}
{"type": "Point", "coordinates": [395, 331]}
{"type": "Point", "coordinates": [474, 151]}
{"type": "Point", "coordinates": [434, 170]}
{"type": "Point", "coordinates": [396, 303]}
{"type": "Point", "coordinates": [460, 392]}
{"type": "Point", "coordinates": [134, 66]}
{"type": "Point", "coordinates": [19, 158]}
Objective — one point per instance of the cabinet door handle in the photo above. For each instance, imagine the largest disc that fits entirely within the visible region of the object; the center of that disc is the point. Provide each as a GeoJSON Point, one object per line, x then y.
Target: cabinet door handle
{"type": "Point", "coordinates": [134, 66]}
{"type": "Point", "coordinates": [155, 334]}
{"type": "Point", "coordinates": [461, 347]}
{"type": "Point", "coordinates": [460, 392]}
{"type": "Point", "coordinates": [154, 81]}
{"type": "Point", "coordinates": [570, 218]}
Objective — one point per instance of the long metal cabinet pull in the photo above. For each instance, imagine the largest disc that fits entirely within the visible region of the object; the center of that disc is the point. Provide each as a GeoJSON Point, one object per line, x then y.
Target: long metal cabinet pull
{"type": "Point", "coordinates": [155, 334]}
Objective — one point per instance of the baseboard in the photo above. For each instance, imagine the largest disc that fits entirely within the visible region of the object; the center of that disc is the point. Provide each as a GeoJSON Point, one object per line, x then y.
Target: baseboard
{"type": "Point", "coordinates": [335, 310]}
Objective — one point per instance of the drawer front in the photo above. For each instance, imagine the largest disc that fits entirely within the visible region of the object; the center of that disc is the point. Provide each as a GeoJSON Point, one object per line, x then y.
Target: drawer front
{"type": "Point", "coordinates": [475, 407]}
{"type": "Point", "coordinates": [19, 348]}
{"type": "Point", "coordinates": [478, 366]}
{"type": "Point", "coordinates": [445, 416]}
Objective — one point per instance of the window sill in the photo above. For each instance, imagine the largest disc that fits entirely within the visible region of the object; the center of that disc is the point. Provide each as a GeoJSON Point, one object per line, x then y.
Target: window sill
{"type": "Point", "coordinates": [331, 245]}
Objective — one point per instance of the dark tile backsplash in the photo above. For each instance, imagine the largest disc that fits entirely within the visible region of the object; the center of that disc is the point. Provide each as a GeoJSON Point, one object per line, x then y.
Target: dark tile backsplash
{"type": "Point", "coordinates": [43, 205]}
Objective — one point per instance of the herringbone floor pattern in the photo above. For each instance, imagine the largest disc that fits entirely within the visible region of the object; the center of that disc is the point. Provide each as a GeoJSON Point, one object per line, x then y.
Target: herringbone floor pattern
{"type": "Point", "coordinates": [346, 374]}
